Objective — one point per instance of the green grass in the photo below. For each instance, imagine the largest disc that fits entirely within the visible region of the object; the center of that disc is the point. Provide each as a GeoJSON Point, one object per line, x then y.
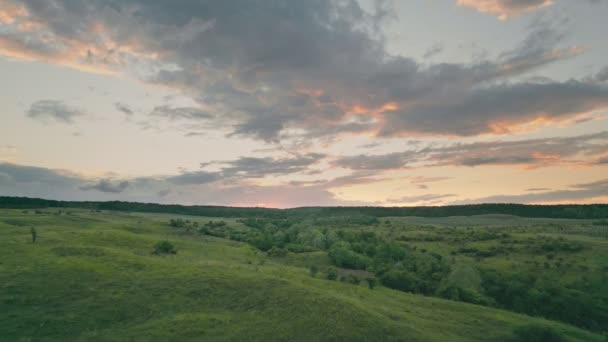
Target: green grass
{"type": "Point", "coordinates": [92, 276]}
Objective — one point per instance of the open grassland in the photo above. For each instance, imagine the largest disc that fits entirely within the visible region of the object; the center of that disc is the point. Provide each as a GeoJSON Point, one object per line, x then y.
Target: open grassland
{"type": "Point", "coordinates": [91, 275]}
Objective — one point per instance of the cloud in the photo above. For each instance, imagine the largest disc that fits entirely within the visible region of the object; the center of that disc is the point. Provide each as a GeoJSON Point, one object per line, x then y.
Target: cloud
{"type": "Point", "coordinates": [501, 109]}
{"type": "Point", "coordinates": [420, 198]}
{"type": "Point", "coordinates": [433, 50]}
{"type": "Point", "coordinates": [8, 152]}
{"type": "Point", "coordinates": [123, 108]}
{"type": "Point", "coordinates": [164, 192]}
{"type": "Point", "coordinates": [53, 110]}
{"type": "Point", "coordinates": [505, 9]}
{"type": "Point", "coordinates": [602, 75]}
{"type": "Point", "coordinates": [196, 177]}
{"type": "Point", "coordinates": [18, 174]}
{"type": "Point", "coordinates": [105, 185]}
{"type": "Point", "coordinates": [185, 188]}
{"type": "Point", "coordinates": [576, 193]}
{"type": "Point", "coordinates": [304, 70]}
{"type": "Point", "coordinates": [180, 113]}
{"type": "Point", "coordinates": [252, 167]}
{"type": "Point", "coordinates": [375, 162]}
{"type": "Point", "coordinates": [576, 150]}
{"type": "Point", "coordinates": [537, 189]}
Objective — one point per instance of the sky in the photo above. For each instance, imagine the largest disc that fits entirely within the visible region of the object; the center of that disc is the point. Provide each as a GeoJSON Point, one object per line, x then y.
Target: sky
{"type": "Point", "coordinates": [305, 103]}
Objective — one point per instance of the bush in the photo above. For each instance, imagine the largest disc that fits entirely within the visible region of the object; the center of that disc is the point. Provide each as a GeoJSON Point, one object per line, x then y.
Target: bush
{"type": "Point", "coordinates": [277, 252]}
{"type": "Point", "coordinates": [399, 280]}
{"type": "Point", "coordinates": [371, 283]}
{"type": "Point", "coordinates": [332, 273]}
{"type": "Point", "coordinates": [342, 256]}
{"type": "Point", "coordinates": [353, 279]}
{"type": "Point", "coordinates": [34, 234]}
{"type": "Point", "coordinates": [314, 270]}
{"type": "Point", "coordinates": [537, 333]}
{"type": "Point", "coordinates": [164, 247]}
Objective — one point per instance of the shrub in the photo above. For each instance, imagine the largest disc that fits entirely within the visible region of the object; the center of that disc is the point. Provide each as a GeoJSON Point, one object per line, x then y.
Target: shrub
{"type": "Point", "coordinates": [277, 252]}
{"type": "Point", "coordinates": [371, 283]}
{"type": "Point", "coordinates": [399, 280]}
{"type": "Point", "coordinates": [332, 273]}
{"type": "Point", "coordinates": [314, 270]}
{"type": "Point", "coordinates": [34, 234]}
{"type": "Point", "coordinates": [353, 279]}
{"type": "Point", "coordinates": [342, 256]}
{"type": "Point", "coordinates": [537, 333]}
{"type": "Point", "coordinates": [164, 247]}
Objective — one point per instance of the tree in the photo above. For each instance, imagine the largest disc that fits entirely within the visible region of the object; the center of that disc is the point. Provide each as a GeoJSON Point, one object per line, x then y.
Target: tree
{"type": "Point", "coordinates": [164, 247]}
{"type": "Point", "coordinates": [34, 234]}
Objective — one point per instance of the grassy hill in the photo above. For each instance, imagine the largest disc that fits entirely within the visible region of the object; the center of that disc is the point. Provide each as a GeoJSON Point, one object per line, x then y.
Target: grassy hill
{"type": "Point", "coordinates": [92, 276]}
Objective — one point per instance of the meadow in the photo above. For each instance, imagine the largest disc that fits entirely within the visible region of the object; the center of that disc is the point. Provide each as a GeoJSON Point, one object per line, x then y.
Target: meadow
{"type": "Point", "coordinates": [94, 274]}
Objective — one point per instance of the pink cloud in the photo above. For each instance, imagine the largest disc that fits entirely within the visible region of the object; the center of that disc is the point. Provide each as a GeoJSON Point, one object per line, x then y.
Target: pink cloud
{"type": "Point", "coordinates": [505, 9]}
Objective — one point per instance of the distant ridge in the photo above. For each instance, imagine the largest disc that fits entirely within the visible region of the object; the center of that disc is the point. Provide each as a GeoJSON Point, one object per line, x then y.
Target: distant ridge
{"type": "Point", "coordinates": [572, 211]}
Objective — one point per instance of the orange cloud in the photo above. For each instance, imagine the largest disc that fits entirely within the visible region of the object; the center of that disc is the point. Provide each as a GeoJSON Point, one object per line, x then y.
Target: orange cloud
{"type": "Point", "coordinates": [9, 13]}
{"type": "Point", "coordinates": [527, 125]}
{"type": "Point", "coordinates": [71, 57]}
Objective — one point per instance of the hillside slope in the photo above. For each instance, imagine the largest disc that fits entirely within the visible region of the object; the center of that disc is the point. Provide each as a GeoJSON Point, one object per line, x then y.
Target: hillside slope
{"type": "Point", "coordinates": [92, 276]}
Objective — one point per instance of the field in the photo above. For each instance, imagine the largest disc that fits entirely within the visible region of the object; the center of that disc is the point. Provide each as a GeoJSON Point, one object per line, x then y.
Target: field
{"type": "Point", "coordinates": [92, 275]}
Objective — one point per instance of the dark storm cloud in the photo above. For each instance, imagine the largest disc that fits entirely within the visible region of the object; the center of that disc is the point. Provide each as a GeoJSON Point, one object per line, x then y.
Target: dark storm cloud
{"type": "Point", "coordinates": [264, 68]}
{"type": "Point", "coordinates": [53, 110]}
{"type": "Point", "coordinates": [105, 185]}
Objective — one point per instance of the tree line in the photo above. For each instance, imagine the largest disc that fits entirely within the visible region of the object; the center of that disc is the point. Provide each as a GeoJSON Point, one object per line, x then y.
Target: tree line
{"type": "Point", "coordinates": [570, 211]}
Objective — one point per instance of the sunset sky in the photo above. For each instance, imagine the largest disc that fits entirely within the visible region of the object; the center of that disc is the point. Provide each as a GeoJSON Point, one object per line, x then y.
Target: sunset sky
{"type": "Point", "coordinates": [300, 103]}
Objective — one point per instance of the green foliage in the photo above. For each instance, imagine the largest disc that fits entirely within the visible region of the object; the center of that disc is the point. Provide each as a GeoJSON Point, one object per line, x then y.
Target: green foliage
{"type": "Point", "coordinates": [342, 256]}
{"type": "Point", "coordinates": [314, 269]}
{"type": "Point", "coordinates": [401, 280]}
{"type": "Point", "coordinates": [537, 333]}
{"type": "Point", "coordinates": [540, 295]}
{"type": "Point", "coordinates": [332, 274]}
{"type": "Point", "coordinates": [371, 282]}
{"type": "Point", "coordinates": [358, 215]}
{"type": "Point", "coordinates": [164, 247]}
{"type": "Point", "coordinates": [353, 279]}
{"type": "Point", "coordinates": [96, 266]}
{"type": "Point", "coordinates": [277, 252]}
